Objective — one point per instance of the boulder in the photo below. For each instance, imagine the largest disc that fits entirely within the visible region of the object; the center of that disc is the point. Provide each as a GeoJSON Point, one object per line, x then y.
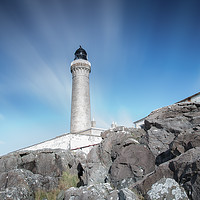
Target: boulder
{"type": "Point", "coordinates": [101, 191]}
{"type": "Point", "coordinates": [144, 185]}
{"type": "Point", "coordinates": [21, 184]}
{"type": "Point", "coordinates": [164, 124]}
{"type": "Point", "coordinates": [94, 171]}
{"type": "Point", "coordinates": [99, 158]}
{"type": "Point", "coordinates": [15, 193]}
{"type": "Point", "coordinates": [24, 172]}
{"type": "Point", "coordinates": [46, 162]}
{"type": "Point", "coordinates": [126, 194]}
{"type": "Point", "coordinates": [184, 142]}
{"type": "Point", "coordinates": [93, 192]}
{"type": "Point", "coordinates": [184, 169]}
{"type": "Point", "coordinates": [118, 159]}
{"type": "Point", "coordinates": [132, 163]}
{"type": "Point", "coordinates": [168, 189]}
{"type": "Point", "coordinates": [9, 162]}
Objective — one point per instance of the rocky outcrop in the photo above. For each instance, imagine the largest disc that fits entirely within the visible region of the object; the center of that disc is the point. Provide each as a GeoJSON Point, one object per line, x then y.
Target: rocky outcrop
{"type": "Point", "coordinates": [22, 173]}
{"type": "Point", "coordinates": [119, 159]}
{"type": "Point", "coordinates": [184, 169]}
{"type": "Point", "coordinates": [45, 162]}
{"type": "Point", "coordinates": [161, 161]}
{"type": "Point", "coordinates": [165, 124]}
{"type": "Point", "coordinates": [21, 184]}
{"type": "Point", "coordinates": [127, 158]}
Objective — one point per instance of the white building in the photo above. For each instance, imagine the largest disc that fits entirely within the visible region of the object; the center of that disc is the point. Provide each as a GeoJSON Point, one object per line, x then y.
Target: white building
{"type": "Point", "coordinates": [83, 141]}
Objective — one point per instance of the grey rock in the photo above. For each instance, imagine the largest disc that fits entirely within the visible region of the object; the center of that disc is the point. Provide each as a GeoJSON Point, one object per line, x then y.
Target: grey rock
{"type": "Point", "coordinates": [9, 162]}
{"type": "Point", "coordinates": [124, 159]}
{"type": "Point", "coordinates": [94, 170]}
{"type": "Point", "coordinates": [184, 169]}
{"type": "Point", "coordinates": [113, 195]}
{"type": "Point", "coordinates": [46, 162]}
{"type": "Point", "coordinates": [101, 191]}
{"type": "Point", "coordinates": [168, 189]}
{"type": "Point", "coordinates": [61, 195]}
{"type": "Point", "coordinates": [117, 159]}
{"type": "Point", "coordinates": [184, 142]}
{"type": "Point", "coordinates": [132, 163]}
{"type": "Point", "coordinates": [159, 140]}
{"type": "Point", "coordinates": [164, 124]}
{"type": "Point", "coordinates": [143, 185]}
{"type": "Point", "coordinates": [24, 172]}
{"type": "Point", "coordinates": [93, 192]}
{"type": "Point", "coordinates": [15, 193]}
{"type": "Point", "coordinates": [21, 183]}
{"type": "Point", "coordinates": [126, 194]}
{"type": "Point", "coordinates": [25, 178]}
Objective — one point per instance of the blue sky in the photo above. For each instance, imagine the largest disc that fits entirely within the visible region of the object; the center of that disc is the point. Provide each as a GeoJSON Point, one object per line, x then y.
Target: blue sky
{"type": "Point", "coordinates": [144, 55]}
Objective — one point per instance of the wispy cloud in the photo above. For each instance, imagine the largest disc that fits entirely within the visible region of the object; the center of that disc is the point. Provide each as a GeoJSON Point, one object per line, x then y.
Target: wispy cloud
{"type": "Point", "coordinates": [1, 116]}
{"type": "Point", "coordinates": [34, 73]}
{"type": "Point", "coordinates": [2, 142]}
{"type": "Point", "coordinates": [38, 77]}
{"type": "Point", "coordinates": [124, 117]}
{"type": "Point", "coordinates": [101, 122]}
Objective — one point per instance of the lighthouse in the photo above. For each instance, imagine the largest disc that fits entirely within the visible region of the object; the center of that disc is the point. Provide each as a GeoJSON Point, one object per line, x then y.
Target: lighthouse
{"type": "Point", "coordinates": [80, 102]}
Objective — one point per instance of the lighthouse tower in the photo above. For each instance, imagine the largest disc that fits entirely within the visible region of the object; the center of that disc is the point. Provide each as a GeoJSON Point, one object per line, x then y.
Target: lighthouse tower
{"type": "Point", "coordinates": [80, 105]}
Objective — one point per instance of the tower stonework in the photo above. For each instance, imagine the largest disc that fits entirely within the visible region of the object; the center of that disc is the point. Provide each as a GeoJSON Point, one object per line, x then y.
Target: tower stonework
{"type": "Point", "coordinates": [80, 105]}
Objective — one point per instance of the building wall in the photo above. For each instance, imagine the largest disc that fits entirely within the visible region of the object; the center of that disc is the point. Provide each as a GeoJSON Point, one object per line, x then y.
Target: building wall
{"type": "Point", "coordinates": [139, 123]}
{"type": "Point", "coordinates": [83, 141]}
{"type": "Point", "coordinates": [196, 98]}
{"type": "Point", "coordinates": [193, 98]}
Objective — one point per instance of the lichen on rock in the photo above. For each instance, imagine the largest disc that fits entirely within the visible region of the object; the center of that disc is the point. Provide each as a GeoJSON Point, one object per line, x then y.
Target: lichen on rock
{"type": "Point", "coordinates": [167, 189]}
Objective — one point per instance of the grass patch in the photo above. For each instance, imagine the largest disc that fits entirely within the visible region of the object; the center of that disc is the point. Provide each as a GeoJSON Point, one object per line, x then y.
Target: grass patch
{"type": "Point", "coordinates": [51, 195]}
{"type": "Point", "coordinates": [139, 195]}
{"type": "Point", "coordinates": [67, 180]}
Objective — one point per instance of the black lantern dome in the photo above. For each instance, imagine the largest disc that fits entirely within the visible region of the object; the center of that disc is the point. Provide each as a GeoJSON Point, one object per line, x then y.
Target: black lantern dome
{"type": "Point", "coordinates": [80, 54]}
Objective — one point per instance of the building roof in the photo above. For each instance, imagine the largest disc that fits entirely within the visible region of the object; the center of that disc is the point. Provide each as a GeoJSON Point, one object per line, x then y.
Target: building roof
{"type": "Point", "coordinates": [80, 54]}
{"type": "Point", "coordinates": [198, 93]}
{"type": "Point", "coordinates": [139, 120]}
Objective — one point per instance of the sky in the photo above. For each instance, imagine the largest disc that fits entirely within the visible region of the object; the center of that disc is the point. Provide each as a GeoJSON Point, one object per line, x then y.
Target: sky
{"type": "Point", "coordinates": [144, 55]}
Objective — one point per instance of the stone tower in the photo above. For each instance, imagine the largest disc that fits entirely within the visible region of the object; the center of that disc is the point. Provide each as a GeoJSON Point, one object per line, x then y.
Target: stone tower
{"type": "Point", "coordinates": [80, 105]}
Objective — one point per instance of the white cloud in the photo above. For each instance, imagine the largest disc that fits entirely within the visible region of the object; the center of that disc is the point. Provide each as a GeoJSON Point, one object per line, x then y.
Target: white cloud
{"type": "Point", "coordinates": [33, 73]}
{"type": "Point", "coordinates": [1, 116]}
{"type": "Point", "coordinates": [124, 118]}
{"type": "Point", "coordinates": [102, 123]}
{"type": "Point", "coordinates": [35, 76]}
{"type": "Point", "coordinates": [2, 142]}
